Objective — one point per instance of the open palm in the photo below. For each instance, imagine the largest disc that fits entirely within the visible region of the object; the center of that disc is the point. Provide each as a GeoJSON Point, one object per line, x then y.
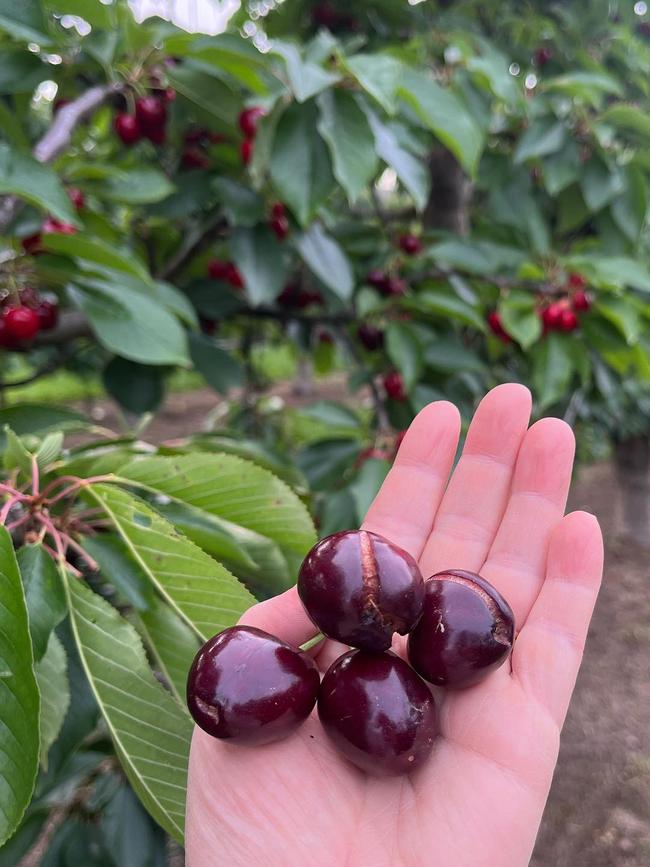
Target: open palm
{"type": "Point", "coordinates": [479, 799]}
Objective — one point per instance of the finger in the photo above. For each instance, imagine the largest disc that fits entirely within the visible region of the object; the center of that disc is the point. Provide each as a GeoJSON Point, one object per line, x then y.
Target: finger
{"type": "Point", "coordinates": [282, 616]}
{"type": "Point", "coordinates": [549, 649]}
{"type": "Point", "coordinates": [516, 562]}
{"type": "Point", "coordinates": [474, 501]}
{"type": "Point", "coordinates": [404, 508]}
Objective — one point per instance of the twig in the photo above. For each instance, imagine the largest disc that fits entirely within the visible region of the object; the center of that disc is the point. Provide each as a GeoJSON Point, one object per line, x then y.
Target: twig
{"type": "Point", "coordinates": [383, 423]}
{"type": "Point", "coordinates": [57, 139]}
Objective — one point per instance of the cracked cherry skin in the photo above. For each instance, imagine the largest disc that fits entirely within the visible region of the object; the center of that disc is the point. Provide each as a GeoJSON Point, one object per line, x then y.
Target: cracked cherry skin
{"type": "Point", "coordinates": [378, 712]}
{"type": "Point", "coordinates": [359, 588]}
{"type": "Point", "coordinates": [249, 687]}
{"type": "Point", "coordinates": [466, 630]}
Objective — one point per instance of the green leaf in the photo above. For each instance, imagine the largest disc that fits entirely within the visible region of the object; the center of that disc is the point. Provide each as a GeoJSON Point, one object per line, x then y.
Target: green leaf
{"type": "Point", "coordinates": [476, 257]}
{"type": "Point", "coordinates": [411, 171]}
{"type": "Point", "coordinates": [623, 315]}
{"type": "Point", "coordinates": [446, 117]}
{"type": "Point", "coordinates": [226, 53]}
{"type": "Point", "coordinates": [219, 368]}
{"type": "Point", "coordinates": [346, 130]}
{"type": "Point", "coordinates": [19, 702]}
{"type": "Point", "coordinates": [553, 368]}
{"type": "Point", "coordinates": [378, 75]}
{"type": "Point", "coordinates": [367, 484]}
{"type": "Point", "coordinates": [600, 184]}
{"type": "Point", "coordinates": [96, 14]}
{"type": "Point", "coordinates": [44, 595]}
{"type": "Point", "coordinates": [150, 731]}
{"type": "Point", "coordinates": [562, 168]}
{"type": "Point", "coordinates": [130, 835]}
{"type": "Point", "coordinates": [616, 271]}
{"type": "Point", "coordinates": [233, 489]}
{"type": "Point", "coordinates": [36, 418]}
{"type": "Point", "coordinates": [543, 137]}
{"type": "Point", "coordinates": [326, 260]}
{"type": "Point", "coordinates": [37, 184]}
{"type": "Point", "coordinates": [138, 388]}
{"type": "Point", "coordinates": [172, 642]}
{"type": "Point", "coordinates": [120, 569]}
{"type": "Point", "coordinates": [131, 325]}
{"type": "Point", "coordinates": [241, 205]}
{"type": "Point", "coordinates": [24, 21]}
{"type": "Point", "coordinates": [331, 413]}
{"type": "Point", "coordinates": [16, 455]}
{"type": "Point", "coordinates": [52, 679]}
{"type": "Point", "coordinates": [446, 305]}
{"type": "Point", "coordinates": [97, 252]}
{"type": "Point", "coordinates": [586, 85]}
{"type": "Point", "coordinates": [520, 318]}
{"type": "Point", "coordinates": [630, 118]}
{"type": "Point", "coordinates": [630, 208]}
{"type": "Point", "coordinates": [404, 350]}
{"type": "Point", "coordinates": [305, 79]}
{"type": "Point", "coordinates": [199, 589]}
{"type": "Point", "coordinates": [324, 462]}
{"type": "Point", "coordinates": [140, 186]}
{"type": "Point", "coordinates": [20, 72]}
{"type": "Point", "coordinates": [300, 165]}
{"type": "Point", "coordinates": [260, 258]}
{"type": "Point", "coordinates": [206, 91]}
{"type": "Point", "coordinates": [49, 450]}
{"type": "Point", "coordinates": [449, 355]}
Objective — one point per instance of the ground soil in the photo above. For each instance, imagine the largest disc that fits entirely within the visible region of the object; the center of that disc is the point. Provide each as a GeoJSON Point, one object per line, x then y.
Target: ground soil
{"type": "Point", "coordinates": [598, 814]}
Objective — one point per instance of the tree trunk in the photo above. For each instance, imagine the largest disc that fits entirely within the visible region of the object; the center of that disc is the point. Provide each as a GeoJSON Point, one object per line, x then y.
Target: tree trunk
{"type": "Point", "coordinates": [632, 461]}
{"type": "Point", "coordinates": [451, 190]}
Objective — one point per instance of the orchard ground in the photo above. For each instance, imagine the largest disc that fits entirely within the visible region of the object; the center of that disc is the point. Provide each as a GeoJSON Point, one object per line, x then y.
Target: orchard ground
{"type": "Point", "coordinates": [599, 811]}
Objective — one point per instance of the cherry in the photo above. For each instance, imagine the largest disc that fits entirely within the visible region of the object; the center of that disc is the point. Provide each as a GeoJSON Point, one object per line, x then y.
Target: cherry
{"type": "Point", "coordinates": [394, 385]}
{"type": "Point", "coordinates": [495, 325]}
{"type": "Point", "coordinates": [218, 269]}
{"type": "Point", "coordinates": [294, 296]}
{"type": "Point", "coordinates": [280, 226]}
{"type": "Point", "coordinates": [370, 336]}
{"type": "Point", "coordinates": [32, 244]}
{"type": "Point", "coordinates": [169, 94]}
{"type": "Point", "coordinates": [543, 55]}
{"type": "Point", "coordinates": [48, 315]}
{"type": "Point", "coordinates": [21, 323]}
{"type": "Point", "coordinates": [359, 588]}
{"type": "Point", "coordinates": [127, 128]}
{"type": "Point", "coordinates": [576, 281]}
{"type": "Point", "coordinates": [568, 321]}
{"type": "Point", "coordinates": [581, 301]}
{"type": "Point", "coordinates": [378, 712]}
{"type": "Point", "coordinates": [378, 279]}
{"type": "Point", "coordinates": [150, 112]}
{"type": "Point", "coordinates": [395, 286]}
{"type": "Point", "coordinates": [233, 276]}
{"type": "Point", "coordinates": [278, 209]}
{"type": "Point", "coordinates": [6, 342]}
{"type": "Point", "coordinates": [249, 687]}
{"type": "Point", "coordinates": [551, 315]}
{"type": "Point", "coordinates": [410, 244]}
{"type": "Point", "coordinates": [466, 631]}
{"type": "Point", "coordinates": [246, 151]}
{"type": "Point", "coordinates": [195, 158]}
{"type": "Point", "coordinates": [156, 134]}
{"type": "Point", "coordinates": [248, 120]}
{"type": "Point", "coordinates": [77, 197]}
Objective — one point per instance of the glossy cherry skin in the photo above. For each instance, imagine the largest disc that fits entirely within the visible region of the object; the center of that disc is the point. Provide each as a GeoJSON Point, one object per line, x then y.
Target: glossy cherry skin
{"type": "Point", "coordinates": [127, 128]}
{"type": "Point", "coordinates": [248, 687]}
{"type": "Point", "coordinates": [48, 314]}
{"type": "Point", "coordinates": [359, 588]}
{"type": "Point", "coordinates": [370, 336]}
{"type": "Point", "coordinates": [466, 631]}
{"type": "Point", "coordinates": [150, 112]}
{"type": "Point", "coordinates": [378, 712]}
{"type": "Point", "coordinates": [21, 323]}
{"type": "Point", "coordinates": [394, 385]}
{"type": "Point", "coordinates": [410, 244]}
{"type": "Point", "coordinates": [581, 301]}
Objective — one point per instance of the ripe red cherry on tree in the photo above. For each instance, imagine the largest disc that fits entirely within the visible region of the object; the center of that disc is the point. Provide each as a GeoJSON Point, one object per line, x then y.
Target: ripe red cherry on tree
{"type": "Point", "coordinates": [496, 326]}
{"type": "Point", "coordinates": [150, 112]}
{"type": "Point", "coordinates": [127, 128]}
{"type": "Point", "coordinates": [77, 197]}
{"type": "Point", "coordinates": [371, 337]}
{"type": "Point", "coordinates": [395, 286]}
{"type": "Point", "coordinates": [194, 158]}
{"type": "Point", "coordinates": [32, 244]}
{"type": "Point", "coordinates": [246, 151]}
{"type": "Point", "coordinates": [394, 385]}
{"type": "Point", "coordinates": [543, 55]}
{"type": "Point", "coordinates": [551, 315]}
{"type": "Point", "coordinates": [568, 321]}
{"type": "Point", "coordinates": [249, 119]}
{"type": "Point", "coordinates": [48, 314]}
{"type": "Point", "coordinates": [279, 222]}
{"type": "Point", "coordinates": [410, 244]}
{"type": "Point", "coordinates": [21, 323]}
{"type": "Point", "coordinates": [581, 301]}
{"type": "Point", "coordinates": [576, 281]}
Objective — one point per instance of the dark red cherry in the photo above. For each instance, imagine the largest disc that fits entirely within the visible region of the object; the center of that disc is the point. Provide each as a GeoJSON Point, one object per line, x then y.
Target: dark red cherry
{"type": "Point", "coordinates": [127, 128]}
{"type": "Point", "coordinates": [378, 712]}
{"type": "Point", "coordinates": [395, 286]}
{"type": "Point", "coordinates": [359, 588]}
{"type": "Point", "coordinates": [378, 278]}
{"type": "Point", "coordinates": [495, 324]}
{"type": "Point", "coordinates": [568, 321]}
{"type": "Point", "coordinates": [410, 244]}
{"type": "Point", "coordinates": [156, 134]}
{"type": "Point", "coordinates": [150, 112]}
{"type": "Point", "coordinates": [246, 151]}
{"type": "Point", "coordinates": [48, 314]}
{"type": "Point", "coordinates": [77, 197]}
{"type": "Point", "coordinates": [21, 323]}
{"type": "Point", "coordinates": [279, 226]}
{"type": "Point", "coordinates": [466, 631]}
{"type": "Point", "coordinates": [195, 158]}
{"type": "Point", "coordinates": [249, 687]}
{"type": "Point", "coordinates": [370, 336]}
{"type": "Point", "coordinates": [581, 301]}
{"type": "Point", "coordinates": [394, 385]}
{"type": "Point", "coordinates": [248, 120]}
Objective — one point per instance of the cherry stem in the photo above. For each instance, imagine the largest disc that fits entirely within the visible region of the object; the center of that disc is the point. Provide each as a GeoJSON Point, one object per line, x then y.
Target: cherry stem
{"type": "Point", "coordinates": [7, 489]}
{"type": "Point", "coordinates": [83, 554]}
{"type": "Point", "coordinates": [55, 535]}
{"type": "Point", "coordinates": [313, 641]}
{"type": "Point", "coordinates": [79, 483]}
{"type": "Point", "coordinates": [18, 522]}
{"type": "Point", "coordinates": [4, 514]}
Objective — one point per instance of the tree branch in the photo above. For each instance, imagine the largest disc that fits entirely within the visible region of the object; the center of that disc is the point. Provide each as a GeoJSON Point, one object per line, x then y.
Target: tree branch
{"type": "Point", "coordinates": [57, 138]}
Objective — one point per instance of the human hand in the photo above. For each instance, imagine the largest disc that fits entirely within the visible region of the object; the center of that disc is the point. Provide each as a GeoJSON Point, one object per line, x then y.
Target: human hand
{"type": "Point", "coordinates": [479, 799]}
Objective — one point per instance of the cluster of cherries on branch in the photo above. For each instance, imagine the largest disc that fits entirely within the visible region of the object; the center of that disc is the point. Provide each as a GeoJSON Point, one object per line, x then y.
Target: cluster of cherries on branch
{"type": "Point", "coordinates": [561, 314]}
{"type": "Point", "coordinates": [249, 687]}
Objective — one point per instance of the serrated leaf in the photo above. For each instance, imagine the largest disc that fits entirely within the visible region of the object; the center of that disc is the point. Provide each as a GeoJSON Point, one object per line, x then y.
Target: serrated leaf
{"type": "Point", "coordinates": [233, 489]}
{"type": "Point", "coordinates": [19, 701]}
{"type": "Point", "coordinates": [345, 128]}
{"type": "Point", "coordinates": [325, 258]}
{"type": "Point", "coordinates": [49, 450]}
{"type": "Point", "coordinates": [44, 595]}
{"type": "Point", "coordinates": [150, 731]}
{"type": "Point", "coordinates": [199, 589]}
{"type": "Point", "coordinates": [34, 182]}
{"type": "Point", "coordinates": [172, 642]}
{"type": "Point", "coordinates": [35, 418]}
{"type": "Point", "coordinates": [52, 679]}
{"type": "Point", "coordinates": [300, 165]}
{"type": "Point", "coordinates": [446, 117]}
{"type": "Point", "coordinates": [16, 455]}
